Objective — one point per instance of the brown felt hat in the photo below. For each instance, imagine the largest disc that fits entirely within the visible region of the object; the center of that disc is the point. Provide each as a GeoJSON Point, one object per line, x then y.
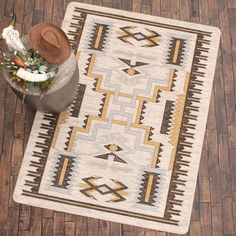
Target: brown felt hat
{"type": "Point", "coordinates": [51, 42]}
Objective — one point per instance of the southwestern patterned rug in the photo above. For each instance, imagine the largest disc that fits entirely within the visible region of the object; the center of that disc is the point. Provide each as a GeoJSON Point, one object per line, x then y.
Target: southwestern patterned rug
{"type": "Point", "coordinates": [128, 148]}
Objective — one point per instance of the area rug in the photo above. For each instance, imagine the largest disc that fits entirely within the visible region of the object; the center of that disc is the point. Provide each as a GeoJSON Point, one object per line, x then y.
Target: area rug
{"type": "Point", "coordinates": [128, 148]}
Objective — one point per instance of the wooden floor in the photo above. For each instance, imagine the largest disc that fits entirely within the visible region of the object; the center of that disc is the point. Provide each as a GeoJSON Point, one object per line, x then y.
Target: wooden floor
{"type": "Point", "coordinates": [214, 211]}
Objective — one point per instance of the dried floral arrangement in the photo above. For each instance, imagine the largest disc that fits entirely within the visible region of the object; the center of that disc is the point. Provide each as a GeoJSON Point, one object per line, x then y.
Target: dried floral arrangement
{"type": "Point", "coordinates": [26, 68]}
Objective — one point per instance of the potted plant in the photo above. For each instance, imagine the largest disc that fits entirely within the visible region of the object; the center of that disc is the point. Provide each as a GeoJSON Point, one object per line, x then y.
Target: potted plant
{"type": "Point", "coordinates": [40, 67]}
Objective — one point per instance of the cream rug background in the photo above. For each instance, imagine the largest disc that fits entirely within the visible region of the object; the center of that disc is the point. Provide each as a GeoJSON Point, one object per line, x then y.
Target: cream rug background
{"type": "Point", "coordinates": [128, 148]}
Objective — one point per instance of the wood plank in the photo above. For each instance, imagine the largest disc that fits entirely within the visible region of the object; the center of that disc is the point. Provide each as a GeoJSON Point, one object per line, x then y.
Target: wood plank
{"type": "Point", "coordinates": [70, 217]}
{"type": "Point", "coordinates": [175, 10]}
{"type": "Point", "coordinates": [205, 214]}
{"type": "Point", "coordinates": [194, 11]}
{"type": "Point", "coordinates": [232, 136]}
{"type": "Point", "coordinates": [226, 46]}
{"type": "Point", "coordinates": [47, 227]}
{"type": "Point", "coordinates": [213, 13]}
{"type": "Point", "coordinates": [211, 121]}
{"type": "Point", "coordinates": [47, 213]}
{"type": "Point", "coordinates": [224, 157]}
{"type": "Point", "coordinates": [48, 11]}
{"type": "Point", "coordinates": [19, 5]}
{"type": "Point", "coordinates": [107, 3]}
{"type": "Point", "coordinates": [222, 127]}
{"type": "Point", "coordinates": [206, 231]}
{"type": "Point", "coordinates": [203, 168]}
{"type": "Point", "coordinates": [136, 6]}
{"type": "Point", "coordinates": [126, 5]}
{"type": "Point", "coordinates": [93, 227]}
{"type": "Point", "coordinates": [58, 12]}
{"type": "Point", "coordinates": [216, 188]}
{"type": "Point", "coordinates": [17, 154]}
{"type": "Point", "coordinates": [231, 3]}
{"type": "Point", "coordinates": [117, 4]}
{"type": "Point", "coordinates": [70, 228]}
{"type": "Point", "coordinates": [28, 15]}
{"type": "Point", "coordinates": [159, 233]}
{"type": "Point", "coordinates": [226, 188]}
{"type": "Point", "coordinates": [216, 212]}
{"type": "Point", "coordinates": [204, 189]}
{"type": "Point", "coordinates": [24, 233]}
{"type": "Point", "coordinates": [212, 140]}
{"type": "Point", "coordinates": [82, 226]}
{"type": "Point", "coordinates": [139, 231]}
{"type": "Point", "coordinates": [2, 117]}
{"type": "Point", "coordinates": [14, 217]}
{"type": "Point", "coordinates": [58, 223]}
{"type": "Point", "coordinates": [228, 218]}
{"type": "Point", "coordinates": [184, 10]}
{"type": "Point", "coordinates": [156, 7]}
{"type": "Point", "coordinates": [233, 166]}
{"type": "Point", "coordinates": [203, 11]}
{"type": "Point", "coordinates": [36, 221]}
{"type": "Point", "coordinates": [127, 230]}
{"type": "Point", "coordinates": [232, 20]}
{"type": "Point", "coordinates": [97, 2]}
{"type": "Point", "coordinates": [1, 13]}
{"type": "Point", "coordinates": [195, 229]}
{"type": "Point", "coordinates": [5, 161]}
{"type": "Point", "coordinates": [218, 85]}
{"type": "Point", "coordinates": [146, 7]}
{"type": "Point", "coordinates": [24, 218]}
{"type": "Point", "coordinates": [37, 16]}
{"type": "Point", "coordinates": [39, 4]}
{"type": "Point", "coordinates": [104, 228]}
{"type": "Point", "coordinates": [230, 108]}
{"type": "Point", "coordinates": [149, 232]}
{"type": "Point", "coordinates": [9, 7]}
{"type": "Point", "coordinates": [116, 229]}
{"type": "Point", "coordinates": [165, 8]}
{"type": "Point", "coordinates": [234, 209]}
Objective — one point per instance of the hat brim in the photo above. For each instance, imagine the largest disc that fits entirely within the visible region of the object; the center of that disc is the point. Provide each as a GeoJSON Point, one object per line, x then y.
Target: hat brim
{"type": "Point", "coordinates": [34, 35]}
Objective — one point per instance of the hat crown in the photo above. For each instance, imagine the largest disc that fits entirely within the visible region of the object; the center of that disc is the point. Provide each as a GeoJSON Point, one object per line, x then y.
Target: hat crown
{"type": "Point", "coordinates": [50, 39]}
{"type": "Point", "coordinates": [51, 36]}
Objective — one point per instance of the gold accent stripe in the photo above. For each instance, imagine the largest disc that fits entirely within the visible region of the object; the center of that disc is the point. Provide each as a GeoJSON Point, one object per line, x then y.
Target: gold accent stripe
{"type": "Point", "coordinates": [78, 54]}
{"type": "Point", "coordinates": [63, 171]}
{"type": "Point", "coordinates": [99, 35]}
{"type": "Point", "coordinates": [72, 137]}
{"type": "Point", "coordinates": [155, 156]}
{"type": "Point", "coordinates": [176, 53]}
{"type": "Point", "coordinates": [176, 125]}
{"type": "Point", "coordinates": [119, 122]}
{"type": "Point", "coordinates": [149, 188]}
{"type": "Point", "coordinates": [139, 111]}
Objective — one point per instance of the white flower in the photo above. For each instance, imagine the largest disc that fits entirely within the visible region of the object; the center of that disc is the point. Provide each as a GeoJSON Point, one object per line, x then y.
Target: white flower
{"type": "Point", "coordinates": [42, 69]}
{"type": "Point", "coordinates": [35, 72]}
